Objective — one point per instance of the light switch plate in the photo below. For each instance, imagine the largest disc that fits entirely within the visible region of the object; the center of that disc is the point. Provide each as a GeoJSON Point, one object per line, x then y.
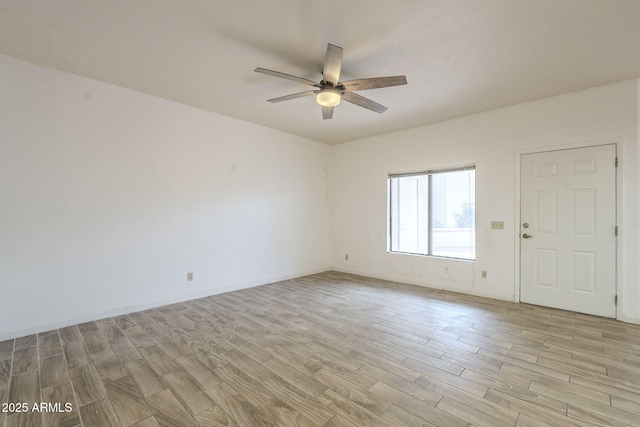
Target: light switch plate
{"type": "Point", "coordinates": [497, 225]}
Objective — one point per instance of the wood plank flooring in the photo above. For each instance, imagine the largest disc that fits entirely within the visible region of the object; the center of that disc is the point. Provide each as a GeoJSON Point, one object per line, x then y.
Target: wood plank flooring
{"type": "Point", "coordinates": [330, 350]}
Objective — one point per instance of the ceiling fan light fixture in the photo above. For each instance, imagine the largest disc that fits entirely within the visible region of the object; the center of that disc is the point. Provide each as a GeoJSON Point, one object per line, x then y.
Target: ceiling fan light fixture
{"type": "Point", "coordinates": [328, 97]}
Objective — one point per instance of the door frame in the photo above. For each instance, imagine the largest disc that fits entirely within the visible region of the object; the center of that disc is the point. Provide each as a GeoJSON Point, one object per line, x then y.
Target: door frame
{"type": "Point", "coordinates": [618, 214]}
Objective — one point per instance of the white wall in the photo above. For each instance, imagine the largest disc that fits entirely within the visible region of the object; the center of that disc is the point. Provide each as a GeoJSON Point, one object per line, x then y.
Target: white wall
{"type": "Point", "coordinates": [493, 141]}
{"type": "Point", "coordinates": [109, 197]}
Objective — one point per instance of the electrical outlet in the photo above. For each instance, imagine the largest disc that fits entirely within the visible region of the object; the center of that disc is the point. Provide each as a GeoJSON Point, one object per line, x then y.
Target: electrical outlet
{"type": "Point", "coordinates": [446, 269]}
{"type": "Point", "coordinates": [483, 274]}
{"type": "Point", "coordinates": [189, 276]}
{"type": "Point", "coordinates": [497, 225]}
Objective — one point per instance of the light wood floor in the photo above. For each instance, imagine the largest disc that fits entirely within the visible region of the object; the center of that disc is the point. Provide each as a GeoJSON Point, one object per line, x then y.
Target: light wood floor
{"type": "Point", "coordinates": [330, 350]}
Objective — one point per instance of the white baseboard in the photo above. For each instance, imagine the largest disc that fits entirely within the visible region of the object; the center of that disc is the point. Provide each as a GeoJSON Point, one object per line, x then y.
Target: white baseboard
{"type": "Point", "coordinates": [465, 291]}
{"type": "Point", "coordinates": [621, 317]}
{"type": "Point", "coordinates": [119, 311]}
{"type": "Point", "coordinates": [628, 319]}
{"type": "Point", "coordinates": [74, 320]}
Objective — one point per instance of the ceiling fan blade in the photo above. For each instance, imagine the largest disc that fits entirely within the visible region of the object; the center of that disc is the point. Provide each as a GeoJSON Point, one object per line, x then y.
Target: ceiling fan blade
{"type": "Point", "coordinates": [361, 101]}
{"type": "Point", "coordinates": [286, 76]}
{"type": "Point", "coordinates": [292, 96]}
{"type": "Point", "coordinates": [332, 64]}
{"type": "Point", "coordinates": [327, 113]}
{"type": "Point", "coordinates": [374, 83]}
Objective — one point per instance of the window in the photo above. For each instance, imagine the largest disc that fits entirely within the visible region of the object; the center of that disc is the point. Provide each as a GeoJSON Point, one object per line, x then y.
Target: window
{"type": "Point", "coordinates": [433, 213]}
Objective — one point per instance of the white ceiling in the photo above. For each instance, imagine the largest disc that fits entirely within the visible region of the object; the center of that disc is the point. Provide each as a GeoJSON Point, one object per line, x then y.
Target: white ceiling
{"type": "Point", "coordinates": [459, 56]}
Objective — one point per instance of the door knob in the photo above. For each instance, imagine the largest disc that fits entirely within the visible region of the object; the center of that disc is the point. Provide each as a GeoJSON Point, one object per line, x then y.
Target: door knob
{"type": "Point", "coordinates": [526, 236]}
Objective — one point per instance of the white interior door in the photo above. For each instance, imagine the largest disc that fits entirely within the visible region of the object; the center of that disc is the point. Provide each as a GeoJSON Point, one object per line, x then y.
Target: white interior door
{"type": "Point", "coordinates": [567, 229]}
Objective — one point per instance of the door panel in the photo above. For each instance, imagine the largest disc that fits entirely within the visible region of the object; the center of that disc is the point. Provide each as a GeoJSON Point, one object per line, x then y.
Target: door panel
{"type": "Point", "coordinates": [546, 217]}
{"type": "Point", "coordinates": [568, 244]}
{"type": "Point", "coordinates": [546, 268]}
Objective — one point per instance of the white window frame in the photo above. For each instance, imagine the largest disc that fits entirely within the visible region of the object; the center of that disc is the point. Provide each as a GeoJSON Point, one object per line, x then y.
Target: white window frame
{"type": "Point", "coordinates": [429, 173]}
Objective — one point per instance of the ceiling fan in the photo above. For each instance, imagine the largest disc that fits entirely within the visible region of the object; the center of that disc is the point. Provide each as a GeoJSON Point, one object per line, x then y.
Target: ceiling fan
{"type": "Point", "coordinates": [330, 91]}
